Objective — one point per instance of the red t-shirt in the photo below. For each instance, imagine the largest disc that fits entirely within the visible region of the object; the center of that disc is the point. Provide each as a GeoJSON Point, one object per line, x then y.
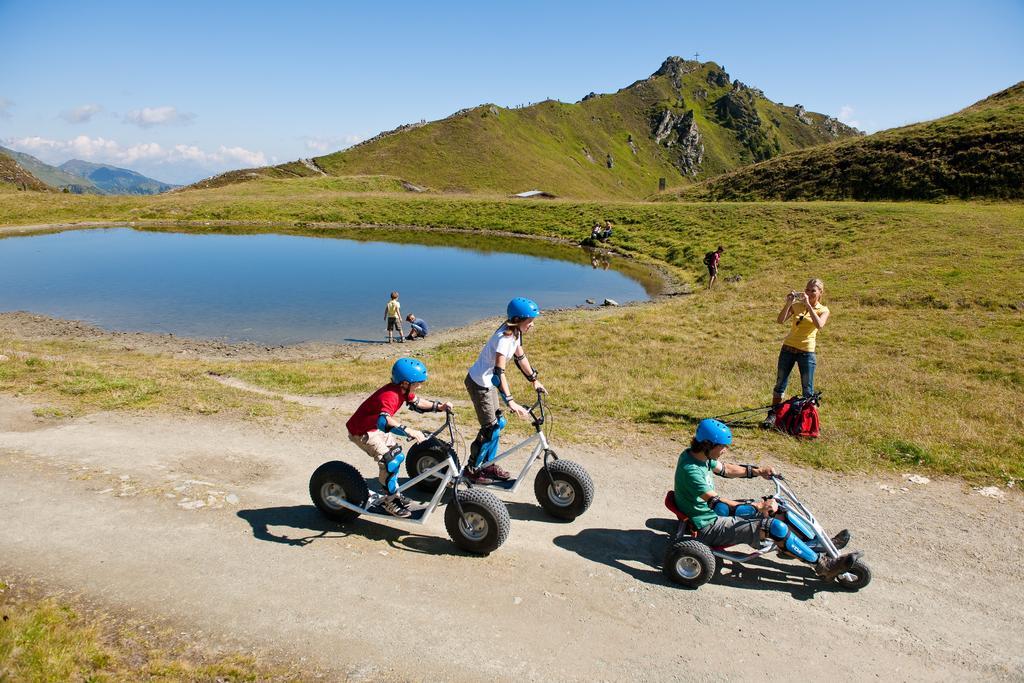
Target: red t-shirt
{"type": "Point", "coordinates": [388, 399]}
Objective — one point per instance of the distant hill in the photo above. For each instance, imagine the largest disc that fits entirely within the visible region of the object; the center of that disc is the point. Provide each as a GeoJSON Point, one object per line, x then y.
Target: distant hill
{"type": "Point", "coordinates": [83, 177]}
{"type": "Point", "coordinates": [114, 180]}
{"type": "Point", "coordinates": [686, 122]}
{"type": "Point", "coordinates": [51, 175]}
{"type": "Point", "coordinates": [977, 152]}
{"type": "Point", "coordinates": [13, 175]}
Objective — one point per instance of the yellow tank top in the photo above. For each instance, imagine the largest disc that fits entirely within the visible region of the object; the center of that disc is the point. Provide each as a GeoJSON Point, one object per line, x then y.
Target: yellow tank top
{"type": "Point", "coordinates": [393, 308]}
{"type": "Point", "coordinates": [804, 331]}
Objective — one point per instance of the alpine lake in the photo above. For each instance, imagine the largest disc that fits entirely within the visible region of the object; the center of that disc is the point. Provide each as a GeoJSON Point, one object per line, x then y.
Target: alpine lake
{"type": "Point", "coordinates": [263, 286]}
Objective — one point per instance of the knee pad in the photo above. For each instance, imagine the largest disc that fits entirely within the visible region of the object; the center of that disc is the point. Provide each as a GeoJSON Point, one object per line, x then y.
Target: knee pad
{"type": "Point", "coordinates": [485, 445]}
{"type": "Point", "coordinates": [782, 535]}
{"type": "Point", "coordinates": [745, 510]}
{"type": "Point", "coordinates": [800, 525]}
{"type": "Point", "coordinates": [390, 463]}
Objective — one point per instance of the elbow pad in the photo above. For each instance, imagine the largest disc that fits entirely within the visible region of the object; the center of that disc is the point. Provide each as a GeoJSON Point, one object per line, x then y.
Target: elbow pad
{"type": "Point", "coordinates": [496, 377]}
{"type": "Point", "coordinates": [382, 425]}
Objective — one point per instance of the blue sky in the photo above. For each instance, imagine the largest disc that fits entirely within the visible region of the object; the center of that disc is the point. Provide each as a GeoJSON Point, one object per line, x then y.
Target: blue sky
{"type": "Point", "coordinates": [182, 90]}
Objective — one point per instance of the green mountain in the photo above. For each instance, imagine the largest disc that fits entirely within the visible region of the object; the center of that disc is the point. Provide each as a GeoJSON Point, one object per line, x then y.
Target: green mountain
{"type": "Point", "coordinates": [977, 152]}
{"type": "Point", "coordinates": [51, 175]}
{"type": "Point", "coordinates": [14, 176]}
{"type": "Point", "coordinates": [686, 122]}
{"type": "Point", "coordinates": [113, 180]}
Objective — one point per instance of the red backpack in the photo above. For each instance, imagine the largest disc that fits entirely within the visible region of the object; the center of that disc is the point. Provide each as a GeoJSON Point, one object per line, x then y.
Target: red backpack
{"type": "Point", "coordinates": [799, 416]}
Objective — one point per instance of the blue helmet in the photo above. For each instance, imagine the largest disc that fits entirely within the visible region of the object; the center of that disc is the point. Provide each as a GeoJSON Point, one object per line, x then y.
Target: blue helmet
{"type": "Point", "coordinates": [520, 308]}
{"type": "Point", "coordinates": [714, 431]}
{"type": "Point", "coordinates": [408, 370]}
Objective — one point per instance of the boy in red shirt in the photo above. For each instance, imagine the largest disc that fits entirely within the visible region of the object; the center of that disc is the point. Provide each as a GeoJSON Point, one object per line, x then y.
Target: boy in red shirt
{"type": "Point", "coordinates": [373, 426]}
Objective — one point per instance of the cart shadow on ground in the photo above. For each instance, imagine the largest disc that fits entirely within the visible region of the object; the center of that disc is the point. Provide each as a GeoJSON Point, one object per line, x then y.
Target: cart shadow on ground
{"type": "Point", "coordinates": [290, 525]}
{"type": "Point", "coordinates": [639, 553]}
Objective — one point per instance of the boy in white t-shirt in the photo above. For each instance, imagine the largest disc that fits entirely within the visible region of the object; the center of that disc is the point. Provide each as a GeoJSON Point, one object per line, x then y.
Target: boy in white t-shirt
{"type": "Point", "coordinates": [486, 381]}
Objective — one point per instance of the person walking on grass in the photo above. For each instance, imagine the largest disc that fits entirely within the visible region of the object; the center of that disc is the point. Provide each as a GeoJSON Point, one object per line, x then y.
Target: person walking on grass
{"type": "Point", "coordinates": [808, 315]}
{"type": "Point", "coordinates": [417, 327]}
{"type": "Point", "coordinates": [487, 380]}
{"type": "Point", "coordinates": [711, 260]}
{"type": "Point", "coordinates": [393, 317]}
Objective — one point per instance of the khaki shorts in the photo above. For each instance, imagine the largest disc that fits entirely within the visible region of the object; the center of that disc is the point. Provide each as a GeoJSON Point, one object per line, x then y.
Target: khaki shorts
{"type": "Point", "coordinates": [485, 401]}
{"type": "Point", "coordinates": [375, 444]}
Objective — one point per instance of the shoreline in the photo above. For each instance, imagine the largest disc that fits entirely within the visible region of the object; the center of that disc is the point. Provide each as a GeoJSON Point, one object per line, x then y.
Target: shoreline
{"type": "Point", "coordinates": [32, 326]}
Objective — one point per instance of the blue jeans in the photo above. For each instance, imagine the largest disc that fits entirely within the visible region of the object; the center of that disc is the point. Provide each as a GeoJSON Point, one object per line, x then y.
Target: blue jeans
{"type": "Point", "coordinates": [805, 360]}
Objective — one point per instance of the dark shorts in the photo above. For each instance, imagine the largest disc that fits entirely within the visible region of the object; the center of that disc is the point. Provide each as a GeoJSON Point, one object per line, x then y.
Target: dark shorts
{"type": "Point", "coordinates": [393, 325]}
{"type": "Point", "coordinates": [726, 531]}
{"type": "Point", "coordinates": [712, 271]}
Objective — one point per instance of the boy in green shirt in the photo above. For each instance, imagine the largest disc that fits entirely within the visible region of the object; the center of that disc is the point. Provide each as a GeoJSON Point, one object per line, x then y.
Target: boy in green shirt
{"type": "Point", "coordinates": [696, 497]}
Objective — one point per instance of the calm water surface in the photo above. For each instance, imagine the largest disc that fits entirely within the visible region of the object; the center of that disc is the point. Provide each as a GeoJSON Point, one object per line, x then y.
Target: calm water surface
{"type": "Point", "coordinates": [278, 289]}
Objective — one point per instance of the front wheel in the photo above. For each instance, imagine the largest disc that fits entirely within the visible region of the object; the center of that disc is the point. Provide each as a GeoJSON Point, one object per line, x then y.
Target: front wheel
{"type": "Point", "coordinates": [483, 525]}
{"type": "Point", "coordinates": [334, 482]}
{"type": "Point", "coordinates": [689, 563]}
{"type": "Point", "coordinates": [564, 489]}
{"type": "Point", "coordinates": [855, 579]}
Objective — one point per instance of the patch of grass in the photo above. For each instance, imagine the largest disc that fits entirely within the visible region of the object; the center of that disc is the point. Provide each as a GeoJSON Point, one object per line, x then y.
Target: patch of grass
{"type": "Point", "coordinates": [45, 640]}
{"type": "Point", "coordinates": [912, 353]}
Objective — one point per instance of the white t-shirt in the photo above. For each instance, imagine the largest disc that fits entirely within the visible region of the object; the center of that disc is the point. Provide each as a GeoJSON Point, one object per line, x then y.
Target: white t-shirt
{"type": "Point", "coordinates": [483, 369]}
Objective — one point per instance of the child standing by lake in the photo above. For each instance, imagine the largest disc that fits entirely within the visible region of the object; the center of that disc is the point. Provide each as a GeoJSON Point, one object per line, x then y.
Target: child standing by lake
{"type": "Point", "coordinates": [393, 317]}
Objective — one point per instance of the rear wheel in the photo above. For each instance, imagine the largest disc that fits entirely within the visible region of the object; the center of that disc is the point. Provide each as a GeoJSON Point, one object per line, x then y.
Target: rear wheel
{"type": "Point", "coordinates": [483, 525]}
{"type": "Point", "coordinates": [421, 458]}
{"type": "Point", "coordinates": [334, 482]}
{"type": "Point", "coordinates": [855, 579]}
{"type": "Point", "coordinates": [689, 563]}
{"type": "Point", "coordinates": [564, 489]}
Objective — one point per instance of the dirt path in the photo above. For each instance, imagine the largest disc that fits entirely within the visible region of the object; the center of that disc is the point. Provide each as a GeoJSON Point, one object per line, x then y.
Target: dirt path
{"type": "Point", "coordinates": [207, 523]}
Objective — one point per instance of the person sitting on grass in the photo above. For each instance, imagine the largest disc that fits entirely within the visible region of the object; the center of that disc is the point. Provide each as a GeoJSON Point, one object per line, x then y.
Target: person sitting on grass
{"type": "Point", "coordinates": [417, 327]}
{"type": "Point", "coordinates": [373, 426]}
{"type": "Point", "coordinates": [696, 497]}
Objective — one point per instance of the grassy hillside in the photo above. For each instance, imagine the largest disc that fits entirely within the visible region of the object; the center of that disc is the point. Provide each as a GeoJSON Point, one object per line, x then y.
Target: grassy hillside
{"type": "Point", "coordinates": [687, 121]}
{"type": "Point", "coordinates": [920, 363]}
{"type": "Point", "coordinates": [51, 175]}
{"type": "Point", "coordinates": [14, 176]}
{"type": "Point", "coordinates": [977, 152]}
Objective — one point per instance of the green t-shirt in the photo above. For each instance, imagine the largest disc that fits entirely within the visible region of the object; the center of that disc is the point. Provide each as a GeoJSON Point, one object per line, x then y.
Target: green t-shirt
{"type": "Point", "coordinates": [693, 478]}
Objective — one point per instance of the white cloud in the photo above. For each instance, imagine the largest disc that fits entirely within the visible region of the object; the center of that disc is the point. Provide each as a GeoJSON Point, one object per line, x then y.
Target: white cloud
{"type": "Point", "coordinates": [331, 143]}
{"type": "Point", "coordinates": [81, 114]}
{"type": "Point", "coordinates": [147, 117]}
{"type": "Point", "coordinates": [5, 105]}
{"type": "Point", "coordinates": [150, 153]}
{"type": "Point", "coordinates": [846, 113]}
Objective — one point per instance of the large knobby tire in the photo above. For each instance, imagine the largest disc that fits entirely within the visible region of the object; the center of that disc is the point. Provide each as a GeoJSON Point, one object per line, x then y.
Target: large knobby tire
{"type": "Point", "coordinates": [422, 457]}
{"type": "Point", "coordinates": [689, 563]}
{"type": "Point", "coordinates": [338, 480]}
{"type": "Point", "coordinates": [567, 493]}
{"type": "Point", "coordinates": [858, 576]}
{"type": "Point", "coordinates": [487, 523]}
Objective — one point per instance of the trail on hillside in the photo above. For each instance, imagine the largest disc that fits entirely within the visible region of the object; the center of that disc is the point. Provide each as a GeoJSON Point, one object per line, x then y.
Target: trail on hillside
{"type": "Point", "coordinates": [206, 522]}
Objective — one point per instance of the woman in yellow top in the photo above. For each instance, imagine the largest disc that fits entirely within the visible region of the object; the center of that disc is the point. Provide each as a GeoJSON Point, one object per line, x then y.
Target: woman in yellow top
{"type": "Point", "coordinates": [808, 315]}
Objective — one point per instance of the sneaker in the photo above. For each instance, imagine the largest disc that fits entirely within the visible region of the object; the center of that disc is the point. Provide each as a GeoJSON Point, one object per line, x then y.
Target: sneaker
{"type": "Point", "coordinates": [842, 539]}
{"type": "Point", "coordinates": [829, 568]}
{"type": "Point", "coordinates": [495, 472]}
{"type": "Point", "coordinates": [476, 476]}
{"type": "Point", "coordinates": [769, 421]}
{"type": "Point", "coordinates": [395, 506]}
